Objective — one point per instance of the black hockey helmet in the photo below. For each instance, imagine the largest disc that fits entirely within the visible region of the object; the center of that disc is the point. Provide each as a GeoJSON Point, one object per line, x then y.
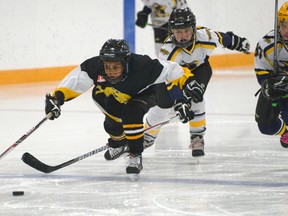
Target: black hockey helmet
{"type": "Point", "coordinates": [182, 18]}
{"type": "Point", "coordinates": [115, 50]}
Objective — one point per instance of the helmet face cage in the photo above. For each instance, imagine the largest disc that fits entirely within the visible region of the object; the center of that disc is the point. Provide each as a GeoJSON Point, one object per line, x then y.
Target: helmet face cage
{"type": "Point", "coordinates": [115, 50]}
{"type": "Point", "coordinates": [282, 17]}
{"type": "Point", "coordinates": [182, 18]}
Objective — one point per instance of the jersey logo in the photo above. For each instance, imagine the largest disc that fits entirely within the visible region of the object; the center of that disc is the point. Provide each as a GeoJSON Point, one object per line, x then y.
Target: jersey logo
{"type": "Point", "coordinates": [159, 10]}
{"type": "Point", "coordinates": [164, 51]}
{"type": "Point", "coordinates": [100, 79]}
{"type": "Point", "coordinates": [119, 96]}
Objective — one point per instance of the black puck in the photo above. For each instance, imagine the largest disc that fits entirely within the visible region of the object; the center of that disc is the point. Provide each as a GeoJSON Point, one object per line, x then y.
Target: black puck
{"type": "Point", "coordinates": [18, 193]}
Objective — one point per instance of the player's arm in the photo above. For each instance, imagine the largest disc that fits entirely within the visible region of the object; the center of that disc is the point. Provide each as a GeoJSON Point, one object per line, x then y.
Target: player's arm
{"type": "Point", "coordinates": [142, 17]}
{"type": "Point", "coordinates": [233, 41]}
{"type": "Point", "coordinates": [263, 61]}
{"type": "Point", "coordinates": [73, 85]}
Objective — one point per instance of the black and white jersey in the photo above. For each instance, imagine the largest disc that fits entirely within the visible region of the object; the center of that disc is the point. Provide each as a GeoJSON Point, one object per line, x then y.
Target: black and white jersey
{"type": "Point", "coordinates": [206, 41]}
{"type": "Point", "coordinates": [161, 9]}
{"type": "Point", "coordinates": [110, 98]}
{"type": "Point", "coordinates": [264, 56]}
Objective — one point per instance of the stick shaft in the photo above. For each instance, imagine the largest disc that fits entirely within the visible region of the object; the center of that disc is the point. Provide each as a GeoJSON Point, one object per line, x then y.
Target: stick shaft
{"type": "Point", "coordinates": [28, 133]}
{"type": "Point", "coordinates": [38, 165]}
{"type": "Point", "coordinates": [275, 36]}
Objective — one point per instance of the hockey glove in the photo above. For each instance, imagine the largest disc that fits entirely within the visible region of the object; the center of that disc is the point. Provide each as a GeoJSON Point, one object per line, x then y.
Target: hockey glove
{"type": "Point", "coordinates": [52, 104]}
{"type": "Point", "coordinates": [240, 44]}
{"type": "Point", "coordinates": [275, 87]}
{"type": "Point", "coordinates": [194, 91]}
{"type": "Point", "coordinates": [182, 109]}
{"type": "Point", "coordinates": [142, 19]}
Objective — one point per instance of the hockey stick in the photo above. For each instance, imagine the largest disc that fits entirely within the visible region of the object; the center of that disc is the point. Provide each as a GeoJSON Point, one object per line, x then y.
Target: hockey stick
{"type": "Point", "coordinates": [42, 167]}
{"type": "Point", "coordinates": [38, 165]}
{"type": "Point", "coordinates": [275, 36]}
{"type": "Point", "coordinates": [25, 136]}
{"type": "Point", "coordinates": [274, 104]}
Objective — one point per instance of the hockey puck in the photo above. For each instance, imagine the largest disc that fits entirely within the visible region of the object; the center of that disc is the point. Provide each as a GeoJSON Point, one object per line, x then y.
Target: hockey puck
{"type": "Point", "coordinates": [18, 193]}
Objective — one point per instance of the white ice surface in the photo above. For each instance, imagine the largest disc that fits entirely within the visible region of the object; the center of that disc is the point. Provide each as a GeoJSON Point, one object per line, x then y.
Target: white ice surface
{"type": "Point", "coordinates": [243, 172]}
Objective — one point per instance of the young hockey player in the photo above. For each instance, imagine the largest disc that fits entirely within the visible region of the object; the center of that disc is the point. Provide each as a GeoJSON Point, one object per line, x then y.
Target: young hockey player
{"type": "Point", "coordinates": [159, 11]}
{"type": "Point", "coordinates": [126, 86]}
{"type": "Point", "coordinates": [191, 47]}
{"type": "Point", "coordinates": [272, 74]}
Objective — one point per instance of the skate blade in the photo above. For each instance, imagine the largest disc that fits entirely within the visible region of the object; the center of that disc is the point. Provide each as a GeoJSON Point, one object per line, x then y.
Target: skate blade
{"type": "Point", "coordinates": [134, 177]}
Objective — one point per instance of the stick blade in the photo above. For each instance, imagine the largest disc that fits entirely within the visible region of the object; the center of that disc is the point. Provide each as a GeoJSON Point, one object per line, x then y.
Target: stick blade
{"type": "Point", "coordinates": [30, 160]}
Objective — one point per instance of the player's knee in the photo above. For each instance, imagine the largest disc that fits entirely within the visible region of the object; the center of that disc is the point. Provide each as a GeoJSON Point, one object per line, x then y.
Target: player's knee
{"type": "Point", "coordinates": [267, 129]}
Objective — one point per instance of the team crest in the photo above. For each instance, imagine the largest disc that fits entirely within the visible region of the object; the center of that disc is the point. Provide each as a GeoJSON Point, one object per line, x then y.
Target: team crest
{"type": "Point", "coordinates": [100, 79]}
{"type": "Point", "coordinates": [119, 96]}
{"type": "Point", "coordinates": [164, 51]}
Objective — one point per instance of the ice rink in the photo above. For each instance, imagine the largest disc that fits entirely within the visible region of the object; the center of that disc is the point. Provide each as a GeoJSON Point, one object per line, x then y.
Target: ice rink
{"type": "Point", "coordinates": [243, 172]}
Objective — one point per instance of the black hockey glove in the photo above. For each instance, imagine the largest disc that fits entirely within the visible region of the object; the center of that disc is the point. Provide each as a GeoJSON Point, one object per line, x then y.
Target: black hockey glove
{"type": "Point", "coordinates": [240, 44]}
{"type": "Point", "coordinates": [194, 91]}
{"type": "Point", "coordinates": [52, 104]}
{"type": "Point", "coordinates": [182, 109]}
{"type": "Point", "coordinates": [275, 87]}
{"type": "Point", "coordinates": [142, 19]}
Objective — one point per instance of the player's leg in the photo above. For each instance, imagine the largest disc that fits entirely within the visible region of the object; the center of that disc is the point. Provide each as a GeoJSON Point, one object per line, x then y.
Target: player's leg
{"type": "Point", "coordinates": [117, 141]}
{"type": "Point", "coordinates": [154, 116]}
{"type": "Point", "coordinates": [269, 119]}
{"type": "Point", "coordinates": [197, 128]}
{"type": "Point", "coordinates": [157, 114]}
{"type": "Point", "coordinates": [160, 34]}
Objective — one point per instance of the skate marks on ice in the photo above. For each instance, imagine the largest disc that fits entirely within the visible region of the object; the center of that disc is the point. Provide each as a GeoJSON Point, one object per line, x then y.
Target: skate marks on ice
{"type": "Point", "coordinates": [91, 194]}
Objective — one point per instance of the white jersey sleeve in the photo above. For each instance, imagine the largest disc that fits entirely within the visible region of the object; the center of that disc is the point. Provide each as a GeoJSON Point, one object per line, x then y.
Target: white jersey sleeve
{"type": "Point", "coordinates": [171, 71]}
{"type": "Point", "coordinates": [264, 54]}
{"type": "Point", "coordinates": [75, 83]}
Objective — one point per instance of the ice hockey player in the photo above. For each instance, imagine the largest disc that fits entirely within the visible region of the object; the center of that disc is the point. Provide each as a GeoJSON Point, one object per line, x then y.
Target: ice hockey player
{"type": "Point", "coordinates": [272, 74]}
{"type": "Point", "coordinates": [126, 86]}
{"type": "Point", "coordinates": [159, 11]}
{"type": "Point", "coordinates": [191, 47]}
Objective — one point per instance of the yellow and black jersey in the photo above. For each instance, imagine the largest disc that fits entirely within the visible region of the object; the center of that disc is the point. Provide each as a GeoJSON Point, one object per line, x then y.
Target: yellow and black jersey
{"type": "Point", "coordinates": [264, 56]}
{"type": "Point", "coordinates": [143, 72]}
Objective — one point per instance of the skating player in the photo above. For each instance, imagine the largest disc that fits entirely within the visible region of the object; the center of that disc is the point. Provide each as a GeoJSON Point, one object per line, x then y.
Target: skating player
{"type": "Point", "coordinates": [191, 46]}
{"type": "Point", "coordinates": [126, 86]}
{"type": "Point", "coordinates": [272, 74]}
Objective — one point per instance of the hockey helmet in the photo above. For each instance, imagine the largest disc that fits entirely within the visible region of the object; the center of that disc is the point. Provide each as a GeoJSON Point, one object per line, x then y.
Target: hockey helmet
{"type": "Point", "coordinates": [283, 22]}
{"type": "Point", "coordinates": [283, 13]}
{"type": "Point", "coordinates": [182, 18]}
{"type": "Point", "coordinates": [115, 50]}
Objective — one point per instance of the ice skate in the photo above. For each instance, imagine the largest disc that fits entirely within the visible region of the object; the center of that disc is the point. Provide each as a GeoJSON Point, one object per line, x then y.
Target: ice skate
{"type": "Point", "coordinates": [284, 140]}
{"type": "Point", "coordinates": [197, 146]}
{"type": "Point", "coordinates": [114, 153]}
{"type": "Point", "coordinates": [135, 166]}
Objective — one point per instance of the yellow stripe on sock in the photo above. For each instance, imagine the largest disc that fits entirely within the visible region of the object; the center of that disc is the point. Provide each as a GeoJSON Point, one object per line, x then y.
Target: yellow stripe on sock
{"type": "Point", "coordinates": [283, 130]}
{"type": "Point", "coordinates": [128, 137]}
{"type": "Point", "coordinates": [198, 123]}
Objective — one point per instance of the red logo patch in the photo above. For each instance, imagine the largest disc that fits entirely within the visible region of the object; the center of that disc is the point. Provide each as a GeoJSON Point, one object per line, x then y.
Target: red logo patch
{"type": "Point", "coordinates": [100, 79]}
